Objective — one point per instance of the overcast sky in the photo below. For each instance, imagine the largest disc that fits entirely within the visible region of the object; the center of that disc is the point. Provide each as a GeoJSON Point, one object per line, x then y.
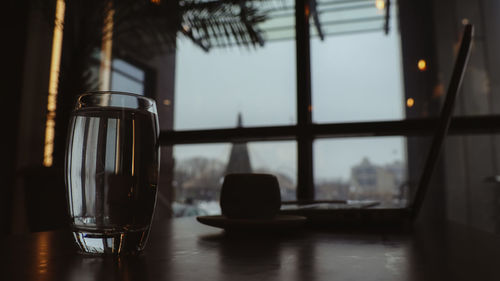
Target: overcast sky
{"type": "Point", "coordinates": [354, 78]}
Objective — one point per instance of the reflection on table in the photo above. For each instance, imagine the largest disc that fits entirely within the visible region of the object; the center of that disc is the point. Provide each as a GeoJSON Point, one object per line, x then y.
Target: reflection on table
{"type": "Point", "coordinates": [182, 249]}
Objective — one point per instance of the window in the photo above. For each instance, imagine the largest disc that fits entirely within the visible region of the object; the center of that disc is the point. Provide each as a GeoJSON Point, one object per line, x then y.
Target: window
{"type": "Point", "coordinates": [127, 77]}
{"type": "Point", "coordinates": [200, 169]}
{"type": "Point", "coordinates": [371, 168]}
{"type": "Point", "coordinates": [249, 95]}
{"type": "Point", "coordinates": [213, 87]}
{"type": "Point", "coordinates": [309, 88]}
{"type": "Point", "coordinates": [356, 73]}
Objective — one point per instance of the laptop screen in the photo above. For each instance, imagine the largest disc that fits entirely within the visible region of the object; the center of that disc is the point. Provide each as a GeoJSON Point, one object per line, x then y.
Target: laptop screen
{"type": "Point", "coordinates": [443, 123]}
{"type": "Point", "coordinates": [439, 134]}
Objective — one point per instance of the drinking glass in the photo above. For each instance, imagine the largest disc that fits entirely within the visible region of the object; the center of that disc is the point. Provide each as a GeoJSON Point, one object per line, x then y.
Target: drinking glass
{"type": "Point", "coordinates": [111, 170]}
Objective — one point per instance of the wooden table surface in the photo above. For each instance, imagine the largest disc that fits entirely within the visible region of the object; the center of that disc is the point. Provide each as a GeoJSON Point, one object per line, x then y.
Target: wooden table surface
{"type": "Point", "coordinates": [183, 249]}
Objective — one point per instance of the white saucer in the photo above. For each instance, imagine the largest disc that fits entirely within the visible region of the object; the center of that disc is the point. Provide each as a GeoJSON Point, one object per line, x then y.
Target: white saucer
{"type": "Point", "coordinates": [277, 223]}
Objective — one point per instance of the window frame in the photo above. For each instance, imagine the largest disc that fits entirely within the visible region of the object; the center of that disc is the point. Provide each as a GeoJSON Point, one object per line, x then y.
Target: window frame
{"type": "Point", "coordinates": [149, 81]}
{"type": "Point", "coordinates": [305, 131]}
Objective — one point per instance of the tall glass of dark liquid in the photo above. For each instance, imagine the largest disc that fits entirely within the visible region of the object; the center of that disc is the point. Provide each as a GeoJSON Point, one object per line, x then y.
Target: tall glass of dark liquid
{"type": "Point", "coordinates": [112, 164]}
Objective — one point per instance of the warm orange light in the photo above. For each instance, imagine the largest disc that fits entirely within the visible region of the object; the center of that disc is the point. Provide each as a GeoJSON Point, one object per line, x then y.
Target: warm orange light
{"type": "Point", "coordinates": [167, 102]}
{"type": "Point", "coordinates": [380, 4]}
{"type": "Point", "coordinates": [55, 63]}
{"type": "Point", "coordinates": [157, 2]}
{"type": "Point", "coordinates": [310, 108]}
{"type": "Point", "coordinates": [106, 49]}
{"type": "Point", "coordinates": [133, 147]}
{"type": "Point", "coordinates": [43, 253]}
{"type": "Point", "coordinates": [422, 65]}
{"type": "Point", "coordinates": [438, 90]}
{"type": "Point", "coordinates": [48, 151]}
{"type": "Point", "coordinates": [410, 102]}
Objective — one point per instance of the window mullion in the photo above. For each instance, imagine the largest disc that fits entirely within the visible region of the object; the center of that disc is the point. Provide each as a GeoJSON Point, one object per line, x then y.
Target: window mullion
{"type": "Point", "coordinates": [305, 184]}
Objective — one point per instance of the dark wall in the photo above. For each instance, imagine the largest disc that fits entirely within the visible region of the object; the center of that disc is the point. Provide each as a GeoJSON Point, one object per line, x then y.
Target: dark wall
{"type": "Point", "coordinates": [417, 42]}
{"type": "Point", "coordinates": [431, 29]}
{"type": "Point", "coordinates": [470, 160]}
{"type": "Point", "coordinates": [13, 32]}
{"type": "Point", "coordinates": [32, 186]}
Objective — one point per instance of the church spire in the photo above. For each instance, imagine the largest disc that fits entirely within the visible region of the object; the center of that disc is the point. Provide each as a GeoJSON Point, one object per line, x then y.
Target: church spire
{"type": "Point", "coordinates": [239, 159]}
{"type": "Point", "coordinates": [240, 120]}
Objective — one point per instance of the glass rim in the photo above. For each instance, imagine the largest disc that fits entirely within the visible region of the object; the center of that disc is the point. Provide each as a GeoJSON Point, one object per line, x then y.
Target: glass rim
{"type": "Point", "coordinates": [148, 103]}
{"type": "Point", "coordinates": [120, 93]}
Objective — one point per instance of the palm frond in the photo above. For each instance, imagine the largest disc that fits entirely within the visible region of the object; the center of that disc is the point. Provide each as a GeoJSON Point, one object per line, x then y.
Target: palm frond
{"type": "Point", "coordinates": [148, 28]}
{"type": "Point", "coordinates": [230, 21]}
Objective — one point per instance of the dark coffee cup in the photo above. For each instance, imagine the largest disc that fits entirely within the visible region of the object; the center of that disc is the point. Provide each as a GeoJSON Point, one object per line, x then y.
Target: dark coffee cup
{"type": "Point", "coordinates": [250, 196]}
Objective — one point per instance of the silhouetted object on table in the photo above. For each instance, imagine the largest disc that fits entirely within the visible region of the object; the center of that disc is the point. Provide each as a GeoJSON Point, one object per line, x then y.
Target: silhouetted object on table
{"type": "Point", "coordinates": [359, 215]}
{"type": "Point", "coordinates": [250, 204]}
{"type": "Point", "coordinates": [250, 196]}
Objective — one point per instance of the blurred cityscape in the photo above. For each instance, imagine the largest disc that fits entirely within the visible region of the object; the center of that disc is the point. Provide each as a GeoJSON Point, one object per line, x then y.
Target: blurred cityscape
{"type": "Point", "coordinates": [197, 182]}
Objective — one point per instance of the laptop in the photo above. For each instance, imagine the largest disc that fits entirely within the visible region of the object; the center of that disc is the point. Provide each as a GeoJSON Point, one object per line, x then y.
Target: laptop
{"type": "Point", "coordinates": [342, 213]}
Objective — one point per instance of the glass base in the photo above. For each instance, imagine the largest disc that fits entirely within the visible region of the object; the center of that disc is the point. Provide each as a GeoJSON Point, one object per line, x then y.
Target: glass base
{"type": "Point", "coordinates": [115, 243]}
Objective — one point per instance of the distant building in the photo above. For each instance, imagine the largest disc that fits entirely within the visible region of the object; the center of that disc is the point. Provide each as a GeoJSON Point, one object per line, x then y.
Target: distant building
{"type": "Point", "coordinates": [332, 190]}
{"type": "Point", "coordinates": [398, 169]}
{"type": "Point", "coordinates": [373, 182]}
